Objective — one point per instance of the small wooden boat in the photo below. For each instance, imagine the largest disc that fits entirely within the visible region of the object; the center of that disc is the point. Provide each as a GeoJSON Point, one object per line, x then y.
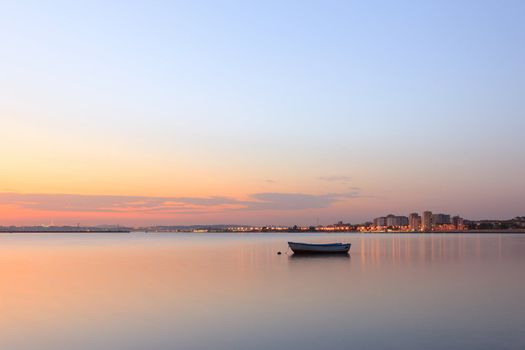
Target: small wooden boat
{"type": "Point", "coordinates": [310, 248]}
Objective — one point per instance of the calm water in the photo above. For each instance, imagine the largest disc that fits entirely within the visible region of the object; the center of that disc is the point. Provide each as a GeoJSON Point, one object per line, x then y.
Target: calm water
{"type": "Point", "coordinates": [228, 291]}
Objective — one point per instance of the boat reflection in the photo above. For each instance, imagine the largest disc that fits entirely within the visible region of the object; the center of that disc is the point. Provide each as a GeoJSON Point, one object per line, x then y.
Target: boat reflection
{"type": "Point", "coordinates": [305, 256]}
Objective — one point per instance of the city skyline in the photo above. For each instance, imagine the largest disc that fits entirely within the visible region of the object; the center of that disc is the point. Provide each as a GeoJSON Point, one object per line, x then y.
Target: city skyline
{"type": "Point", "coordinates": [260, 113]}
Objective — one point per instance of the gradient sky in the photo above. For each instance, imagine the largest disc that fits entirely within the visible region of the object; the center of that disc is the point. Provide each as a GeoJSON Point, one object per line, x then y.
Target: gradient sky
{"type": "Point", "coordinates": [275, 112]}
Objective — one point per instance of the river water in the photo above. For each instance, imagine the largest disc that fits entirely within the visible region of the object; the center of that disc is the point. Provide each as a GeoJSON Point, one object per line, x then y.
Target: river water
{"type": "Point", "coordinates": [232, 291]}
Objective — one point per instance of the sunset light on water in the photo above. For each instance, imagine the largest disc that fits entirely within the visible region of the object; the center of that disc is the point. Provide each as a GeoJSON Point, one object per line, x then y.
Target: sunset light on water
{"type": "Point", "coordinates": [232, 175]}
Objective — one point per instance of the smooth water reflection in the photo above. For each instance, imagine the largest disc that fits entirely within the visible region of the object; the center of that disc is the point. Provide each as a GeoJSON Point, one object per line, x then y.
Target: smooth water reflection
{"type": "Point", "coordinates": [227, 291]}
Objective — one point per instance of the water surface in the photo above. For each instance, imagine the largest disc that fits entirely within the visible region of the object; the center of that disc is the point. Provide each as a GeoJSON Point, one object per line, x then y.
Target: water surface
{"type": "Point", "coordinates": [232, 291]}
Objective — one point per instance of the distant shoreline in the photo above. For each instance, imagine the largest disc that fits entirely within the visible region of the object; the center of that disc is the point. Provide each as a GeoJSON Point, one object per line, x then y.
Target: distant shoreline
{"type": "Point", "coordinates": [64, 231]}
{"type": "Point", "coordinates": [510, 231]}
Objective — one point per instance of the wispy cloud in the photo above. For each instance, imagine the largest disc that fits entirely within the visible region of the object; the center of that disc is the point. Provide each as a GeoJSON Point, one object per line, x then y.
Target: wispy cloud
{"type": "Point", "coordinates": [296, 201]}
{"type": "Point", "coordinates": [336, 178]}
{"type": "Point", "coordinates": [144, 204]}
{"type": "Point", "coordinates": [105, 203]}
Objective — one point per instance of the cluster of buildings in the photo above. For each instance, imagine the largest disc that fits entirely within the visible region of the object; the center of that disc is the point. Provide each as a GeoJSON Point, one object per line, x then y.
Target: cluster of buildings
{"type": "Point", "coordinates": [414, 222]}
{"type": "Point", "coordinates": [426, 222]}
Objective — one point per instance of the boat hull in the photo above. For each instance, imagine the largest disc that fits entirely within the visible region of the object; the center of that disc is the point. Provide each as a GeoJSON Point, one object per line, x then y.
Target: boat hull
{"type": "Point", "coordinates": [308, 248]}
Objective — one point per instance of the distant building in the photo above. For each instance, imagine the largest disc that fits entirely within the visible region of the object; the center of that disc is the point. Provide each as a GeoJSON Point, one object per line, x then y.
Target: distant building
{"type": "Point", "coordinates": [391, 220]}
{"type": "Point", "coordinates": [396, 221]}
{"type": "Point", "coordinates": [427, 221]}
{"type": "Point", "coordinates": [457, 221]}
{"type": "Point", "coordinates": [380, 221]}
{"type": "Point", "coordinates": [440, 219]}
{"type": "Point", "coordinates": [414, 222]}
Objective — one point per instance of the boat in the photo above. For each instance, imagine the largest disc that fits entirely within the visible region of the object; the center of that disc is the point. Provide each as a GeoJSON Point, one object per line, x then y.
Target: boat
{"type": "Point", "coordinates": [311, 248]}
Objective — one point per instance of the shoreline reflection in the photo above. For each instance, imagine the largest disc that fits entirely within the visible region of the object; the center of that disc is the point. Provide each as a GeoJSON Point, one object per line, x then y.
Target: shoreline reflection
{"type": "Point", "coordinates": [345, 256]}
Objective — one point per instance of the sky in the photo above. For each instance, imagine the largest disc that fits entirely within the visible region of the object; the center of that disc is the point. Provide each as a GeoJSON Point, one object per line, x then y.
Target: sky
{"type": "Point", "coordinates": [264, 112]}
